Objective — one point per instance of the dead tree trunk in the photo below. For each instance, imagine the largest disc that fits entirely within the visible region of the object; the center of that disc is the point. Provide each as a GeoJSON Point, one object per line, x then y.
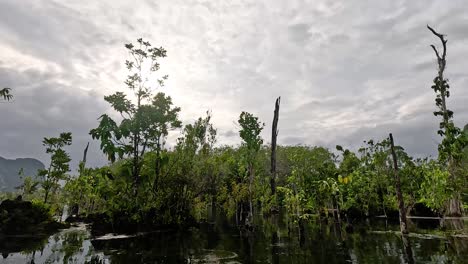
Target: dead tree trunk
{"type": "Point", "coordinates": [274, 135]}
{"type": "Point", "coordinates": [401, 204]}
{"type": "Point", "coordinates": [85, 153]}
{"type": "Point", "coordinates": [454, 205]}
{"type": "Point", "coordinates": [75, 209]}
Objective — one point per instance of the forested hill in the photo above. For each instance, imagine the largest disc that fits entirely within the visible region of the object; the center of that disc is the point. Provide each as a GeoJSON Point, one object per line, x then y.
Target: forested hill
{"type": "Point", "coordinates": [9, 168]}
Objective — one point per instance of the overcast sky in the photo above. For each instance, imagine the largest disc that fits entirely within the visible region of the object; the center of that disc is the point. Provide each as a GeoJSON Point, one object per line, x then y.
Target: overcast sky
{"type": "Point", "coordinates": [347, 71]}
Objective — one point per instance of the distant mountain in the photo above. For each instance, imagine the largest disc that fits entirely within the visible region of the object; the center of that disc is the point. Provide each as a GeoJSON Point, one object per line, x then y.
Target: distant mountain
{"type": "Point", "coordinates": [9, 178]}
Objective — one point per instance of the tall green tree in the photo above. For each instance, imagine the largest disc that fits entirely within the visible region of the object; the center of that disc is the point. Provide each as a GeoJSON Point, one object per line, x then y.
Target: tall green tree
{"type": "Point", "coordinates": [59, 163]}
{"type": "Point", "coordinates": [252, 141]}
{"type": "Point", "coordinates": [5, 93]}
{"type": "Point", "coordinates": [146, 119]}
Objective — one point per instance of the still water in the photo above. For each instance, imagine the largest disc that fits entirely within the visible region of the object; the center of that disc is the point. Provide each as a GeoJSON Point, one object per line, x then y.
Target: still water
{"type": "Point", "coordinates": [273, 241]}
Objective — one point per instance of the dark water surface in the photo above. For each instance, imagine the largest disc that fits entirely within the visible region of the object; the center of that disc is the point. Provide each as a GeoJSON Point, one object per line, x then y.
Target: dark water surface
{"type": "Point", "coordinates": [220, 242]}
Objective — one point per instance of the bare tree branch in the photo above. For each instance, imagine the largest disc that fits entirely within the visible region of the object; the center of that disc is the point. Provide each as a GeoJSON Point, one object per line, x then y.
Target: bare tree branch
{"type": "Point", "coordinates": [444, 43]}
{"type": "Point", "coordinates": [436, 52]}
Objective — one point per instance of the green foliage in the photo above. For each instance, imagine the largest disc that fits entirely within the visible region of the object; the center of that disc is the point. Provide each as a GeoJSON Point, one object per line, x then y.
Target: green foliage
{"type": "Point", "coordinates": [91, 190]}
{"type": "Point", "coordinates": [145, 123]}
{"type": "Point", "coordinates": [312, 173]}
{"type": "Point", "coordinates": [59, 163]}
{"type": "Point", "coordinates": [434, 190]}
{"type": "Point", "coordinates": [190, 168]}
{"type": "Point", "coordinates": [29, 186]}
{"type": "Point", "coordinates": [311, 180]}
{"type": "Point", "coordinates": [250, 129]}
{"type": "Point", "coordinates": [366, 182]}
{"type": "Point", "coordinates": [250, 132]}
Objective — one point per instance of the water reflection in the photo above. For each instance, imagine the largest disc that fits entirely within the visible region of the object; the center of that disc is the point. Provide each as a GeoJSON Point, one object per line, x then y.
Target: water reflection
{"type": "Point", "coordinates": [275, 240]}
{"type": "Point", "coordinates": [408, 249]}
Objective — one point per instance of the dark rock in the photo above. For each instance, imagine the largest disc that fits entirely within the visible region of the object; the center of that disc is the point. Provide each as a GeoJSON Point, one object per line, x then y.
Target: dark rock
{"type": "Point", "coordinates": [23, 217]}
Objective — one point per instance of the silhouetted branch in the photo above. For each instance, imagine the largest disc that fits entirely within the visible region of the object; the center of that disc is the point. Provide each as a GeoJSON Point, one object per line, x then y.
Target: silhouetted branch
{"type": "Point", "coordinates": [444, 43]}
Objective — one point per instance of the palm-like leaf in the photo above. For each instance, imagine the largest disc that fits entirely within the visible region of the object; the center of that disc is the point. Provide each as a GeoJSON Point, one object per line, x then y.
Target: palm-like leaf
{"type": "Point", "coordinates": [5, 93]}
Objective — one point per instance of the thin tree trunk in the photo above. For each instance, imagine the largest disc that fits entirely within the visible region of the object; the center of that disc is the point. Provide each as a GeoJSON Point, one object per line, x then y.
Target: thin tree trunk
{"type": "Point", "coordinates": [135, 164]}
{"type": "Point", "coordinates": [250, 215]}
{"type": "Point", "coordinates": [47, 180]}
{"type": "Point", "coordinates": [274, 135]}
{"type": "Point", "coordinates": [237, 213]}
{"type": "Point", "coordinates": [157, 164]}
{"type": "Point", "coordinates": [401, 204]}
{"type": "Point", "coordinates": [136, 144]}
{"type": "Point", "coordinates": [46, 195]}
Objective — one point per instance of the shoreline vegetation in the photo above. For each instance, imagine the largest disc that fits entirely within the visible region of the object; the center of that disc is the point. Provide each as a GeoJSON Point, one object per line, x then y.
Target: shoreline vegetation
{"type": "Point", "coordinates": [24, 218]}
{"type": "Point", "coordinates": [148, 186]}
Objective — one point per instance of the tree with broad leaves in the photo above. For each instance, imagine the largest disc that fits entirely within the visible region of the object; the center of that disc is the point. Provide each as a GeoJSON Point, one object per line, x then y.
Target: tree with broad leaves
{"type": "Point", "coordinates": [145, 120]}
{"type": "Point", "coordinates": [59, 163]}
{"type": "Point", "coordinates": [157, 120]}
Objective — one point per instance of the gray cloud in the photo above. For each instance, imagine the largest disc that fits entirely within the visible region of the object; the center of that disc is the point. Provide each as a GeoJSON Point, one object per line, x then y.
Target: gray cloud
{"type": "Point", "coordinates": [229, 134]}
{"type": "Point", "coordinates": [47, 109]}
{"type": "Point", "coordinates": [299, 33]}
{"type": "Point", "coordinates": [346, 71]}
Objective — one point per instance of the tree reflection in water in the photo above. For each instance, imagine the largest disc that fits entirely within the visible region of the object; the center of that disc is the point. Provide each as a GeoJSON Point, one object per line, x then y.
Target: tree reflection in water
{"type": "Point", "coordinates": [272, 241]}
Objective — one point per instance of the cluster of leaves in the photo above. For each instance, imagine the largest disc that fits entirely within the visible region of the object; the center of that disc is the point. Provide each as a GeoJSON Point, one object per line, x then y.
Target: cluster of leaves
{"type": "Point", "coordinates": [453, 141]}
{"type": "Point", "coordinates": [59, 163]}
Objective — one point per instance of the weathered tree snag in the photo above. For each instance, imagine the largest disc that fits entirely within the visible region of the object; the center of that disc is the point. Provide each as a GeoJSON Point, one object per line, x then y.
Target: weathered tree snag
{"type": "Point", "coordinates": [401, 204]}
{"type": "Point", "coordinates": [454, 205]}
{"type": "Point", "coordinates": [85, 153]}
{"type": "Point", "coordinates": [274, 135]}
{"type": "Point", "coordinates": [441, 62]}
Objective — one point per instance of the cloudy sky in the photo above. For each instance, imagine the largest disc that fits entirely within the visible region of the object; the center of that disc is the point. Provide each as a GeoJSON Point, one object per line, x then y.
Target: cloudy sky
{"type": "Point", "coordinates": [347, 71]}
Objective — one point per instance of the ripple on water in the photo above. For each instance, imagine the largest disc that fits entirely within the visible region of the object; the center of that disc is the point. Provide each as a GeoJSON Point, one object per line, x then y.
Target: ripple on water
{"type": "Point", "coordinates": [216, 256]}
{"type": "Point", "coordinates": [113, 236]}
